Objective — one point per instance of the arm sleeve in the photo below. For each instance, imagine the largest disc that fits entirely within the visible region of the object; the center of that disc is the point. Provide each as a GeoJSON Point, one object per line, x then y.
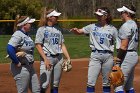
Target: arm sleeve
{"type": "Point", "coordinates": [16, 39]}
{"type": "Point", "coordinates": [39, 35]}
{"type": "Point", "coordinates": [87, 29]}
{"type": "Point", "coordinates": [12, 54]}
{"type": "Point", "coordinates": [125, 32]}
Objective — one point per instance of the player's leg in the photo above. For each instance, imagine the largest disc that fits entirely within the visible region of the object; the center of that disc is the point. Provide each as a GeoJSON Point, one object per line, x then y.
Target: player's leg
{"type": "Point", "coordinates": [57, 73]}
{"type": "Point", "coordinates": [44, 77]}
{"type": "Point", "coordinates": [34, 82]}
{"type": "Point", "coordinates": [131, 60]}
{"type": "Point", "coordinates": [21, 76]}
{"type": "Point", "coordinates": [127, 66]}
{"type": "Point", "coordinates": [93, 72]}
{"type": "Point", "coordinates": [106, 68]}
{"type": "Point", "coordinates": [129, 84]}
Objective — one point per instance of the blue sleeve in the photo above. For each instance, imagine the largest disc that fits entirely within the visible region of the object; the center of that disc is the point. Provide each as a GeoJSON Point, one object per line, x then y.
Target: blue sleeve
{"type": "Point", "coordinates": [12, 54]}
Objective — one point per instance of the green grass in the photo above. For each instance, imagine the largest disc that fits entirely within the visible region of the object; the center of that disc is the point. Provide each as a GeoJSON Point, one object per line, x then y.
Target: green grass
{"type": "Point", "coordinates": [77, 45]}
{"type": "Point", "coordinates": [3, 42]}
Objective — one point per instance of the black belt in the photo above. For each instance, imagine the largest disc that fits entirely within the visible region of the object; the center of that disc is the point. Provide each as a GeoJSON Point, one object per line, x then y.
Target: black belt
{"type": "Point", "coordinates": [128, 50]}
{"type": "Point", "coordinates": [30, 63]}
{"type": "Point", "coordinates": [102, 51]}
{"type": "Point", "coordinates": [52, 55]}
{"type": "Point", "coordinates": [131, 50]}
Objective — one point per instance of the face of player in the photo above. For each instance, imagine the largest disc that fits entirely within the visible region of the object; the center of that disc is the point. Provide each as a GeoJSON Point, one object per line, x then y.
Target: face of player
{"type": "Point", "coordinates": [124, 15]}
{"type": "Point", "coordinates": [27, 27]}
{"type": "Point", "coordinates": [53, 19]}
{"type": "Point", "coordinates": [101, 19]}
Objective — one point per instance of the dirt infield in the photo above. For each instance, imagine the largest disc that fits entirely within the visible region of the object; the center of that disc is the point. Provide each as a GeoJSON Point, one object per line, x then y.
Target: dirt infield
{"type": "Point", "coordinates": [71, 82]}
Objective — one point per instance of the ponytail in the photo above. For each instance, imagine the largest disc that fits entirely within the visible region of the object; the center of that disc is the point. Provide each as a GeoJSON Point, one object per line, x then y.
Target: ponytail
{"type": "Point", "coordinates": [15, 23]}
{"type": "Point", "coordinates": [43, 20]}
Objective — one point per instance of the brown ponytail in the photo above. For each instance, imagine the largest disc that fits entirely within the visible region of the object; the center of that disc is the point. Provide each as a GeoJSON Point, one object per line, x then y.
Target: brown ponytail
{"type": "Point", "coordinates": [42, 21]}
{"type": "Point", "coordinates": [44, 13]}
{"type": "Point", "coordinates": [15, 23]}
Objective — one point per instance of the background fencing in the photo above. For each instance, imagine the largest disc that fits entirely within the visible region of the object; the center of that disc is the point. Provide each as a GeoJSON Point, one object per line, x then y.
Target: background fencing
{"type": "Point", "coordinates": [6, 26]}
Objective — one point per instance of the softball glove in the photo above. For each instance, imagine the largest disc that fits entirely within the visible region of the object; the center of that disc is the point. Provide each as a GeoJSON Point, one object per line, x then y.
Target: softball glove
{"type": "Point", "coordinates": [67, 66]}
{"type": "Point", "coordinates": [116, 77]}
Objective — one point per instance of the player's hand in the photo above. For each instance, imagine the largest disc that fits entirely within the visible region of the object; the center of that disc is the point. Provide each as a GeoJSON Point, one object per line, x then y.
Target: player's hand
{"type": "Point", "coordinates": [117, 61]}
{"type": "Point", "coordinates": [73, 29]}
{"type": "Point", "coordinates": [48, 64]}
{"type": "Point", "coordinates": [18, 65]}
{"type": "Point", "coordinates": [20, 54]}
{"type": "Point", "coordinates": [115, 67]}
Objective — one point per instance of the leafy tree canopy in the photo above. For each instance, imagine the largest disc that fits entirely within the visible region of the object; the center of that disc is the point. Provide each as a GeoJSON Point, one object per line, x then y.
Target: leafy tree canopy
{"type": "Point", "coordinates": [10, 8]}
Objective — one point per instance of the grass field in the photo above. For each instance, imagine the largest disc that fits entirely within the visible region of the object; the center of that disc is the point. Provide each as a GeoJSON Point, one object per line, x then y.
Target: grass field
{"type": "Point", "coordinates": [78, 47]}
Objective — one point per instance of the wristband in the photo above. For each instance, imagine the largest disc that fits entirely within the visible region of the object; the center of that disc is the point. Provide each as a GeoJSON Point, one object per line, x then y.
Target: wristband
{"type": "Point", "coordinates": [121, 54]}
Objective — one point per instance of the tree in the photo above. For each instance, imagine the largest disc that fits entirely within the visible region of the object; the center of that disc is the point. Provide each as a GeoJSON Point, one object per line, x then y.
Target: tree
{"type": "Point", "coordinates": [10, 8]}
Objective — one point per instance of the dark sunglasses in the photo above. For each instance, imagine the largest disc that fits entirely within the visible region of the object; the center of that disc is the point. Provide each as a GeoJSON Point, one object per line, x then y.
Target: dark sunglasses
{"type": "Point", "coordinates": [123, 12]}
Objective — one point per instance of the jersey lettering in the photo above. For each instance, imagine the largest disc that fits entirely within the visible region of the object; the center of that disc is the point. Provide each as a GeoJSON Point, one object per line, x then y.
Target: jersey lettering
{"type": "Point", "coordinates": [105, 35]}
{"type": "Point", "coordinates": [101, 40]}
{"type": "Point", "coordinates": [46, 34]}
{"type": "Point", "coordinates": [27, 42]}
{"type": "Point", "coordinates": [54, 40]}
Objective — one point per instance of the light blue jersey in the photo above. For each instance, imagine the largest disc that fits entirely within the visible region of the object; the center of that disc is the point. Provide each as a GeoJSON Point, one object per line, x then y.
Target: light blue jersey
{"type": "Point", "coordinates": [101, 38]}
{"type": "Point", "coordinates": [22, 41]}
{"type": "Point", "coordinates": [51, 39]}
{"type": "Point", "coordinates": [128, 30]}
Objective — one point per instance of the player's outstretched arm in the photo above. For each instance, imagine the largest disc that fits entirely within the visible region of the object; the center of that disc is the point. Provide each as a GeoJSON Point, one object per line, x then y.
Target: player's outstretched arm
{"type": "Point", "coordinates": [77, 31]}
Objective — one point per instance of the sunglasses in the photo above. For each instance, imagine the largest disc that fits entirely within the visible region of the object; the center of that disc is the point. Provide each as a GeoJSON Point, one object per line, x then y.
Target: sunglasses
{"type": "Point", "coordinates": [101, 11]}
{"type": "Point", "coordinates": [123, 12]}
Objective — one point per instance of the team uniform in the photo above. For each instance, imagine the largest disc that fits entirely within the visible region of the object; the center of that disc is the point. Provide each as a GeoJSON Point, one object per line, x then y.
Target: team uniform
{"type": "Point", "coordinates": [24, 75]}
{"type": "Point", "coordinates": [101, 58]}
{"type": "Point", "coordinates": [51, 39]}
{"type": "Point", "coordinates": [128, 30]}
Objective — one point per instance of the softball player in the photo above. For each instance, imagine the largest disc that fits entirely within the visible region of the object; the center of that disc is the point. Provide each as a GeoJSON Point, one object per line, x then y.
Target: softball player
{"type": "Point", "coordinates": [50, 45]}
{"type": "Point", "coordinates": [102, 37]}
{"type": "Point", "coordinates": [127, 45]}
{"type": "Point", "coordinates": [22, 62]}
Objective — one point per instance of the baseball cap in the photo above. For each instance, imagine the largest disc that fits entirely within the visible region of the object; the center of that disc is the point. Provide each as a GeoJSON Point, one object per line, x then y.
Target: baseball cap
{"type": "Point", "coordinates": [123, 9]}
{"type": "Point", "coordinates": [54, 13]}
{"type": "Point", "coordinates": [100, 12]}
{"type": "Point", "coordinates": [27, 20]}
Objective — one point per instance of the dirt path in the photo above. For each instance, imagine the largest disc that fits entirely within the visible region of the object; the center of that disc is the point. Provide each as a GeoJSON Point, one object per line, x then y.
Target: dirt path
{"type": "Point", "coordinates": [71, 82]}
